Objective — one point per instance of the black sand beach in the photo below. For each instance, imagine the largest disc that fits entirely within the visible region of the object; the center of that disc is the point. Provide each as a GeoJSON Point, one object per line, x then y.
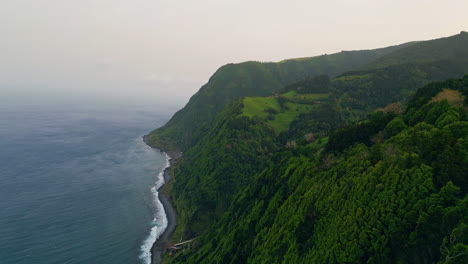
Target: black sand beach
{"type": "Point", "coordinates": [158, 248]}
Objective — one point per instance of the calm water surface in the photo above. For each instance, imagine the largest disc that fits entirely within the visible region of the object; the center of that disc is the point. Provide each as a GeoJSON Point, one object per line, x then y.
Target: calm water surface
{"type": "Point", "coordinates": [75, 185]}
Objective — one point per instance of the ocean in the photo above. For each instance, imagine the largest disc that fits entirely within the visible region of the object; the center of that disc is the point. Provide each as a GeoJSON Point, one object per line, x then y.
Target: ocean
{"type": "Point", "coordinates": [78, 186]}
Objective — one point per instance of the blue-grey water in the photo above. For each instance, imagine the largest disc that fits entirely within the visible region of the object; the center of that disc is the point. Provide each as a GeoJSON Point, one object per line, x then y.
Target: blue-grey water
{"type": "Point", "coordinates": [75, 185]}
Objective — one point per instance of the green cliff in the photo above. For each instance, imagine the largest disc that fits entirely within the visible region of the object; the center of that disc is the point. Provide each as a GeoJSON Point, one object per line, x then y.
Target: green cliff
{"type": "Point", "coordinates": [251, 78]}
{"type": "Point", "coordinates": [289, 163]}
{"type": "Point", "coordinates": [389, 189]}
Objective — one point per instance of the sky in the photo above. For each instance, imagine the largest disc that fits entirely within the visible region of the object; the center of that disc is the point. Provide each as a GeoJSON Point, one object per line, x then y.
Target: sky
{"type": "Point", "coordinates": [162, 51]}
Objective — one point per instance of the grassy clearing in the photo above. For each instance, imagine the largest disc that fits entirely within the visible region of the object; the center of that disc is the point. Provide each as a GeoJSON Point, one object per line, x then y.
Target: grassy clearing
{"type": "Point", "coordinates": [290, 94]}
{"type": "Point", "coordinates": [256, 106]}
{"type": "Point", "coordinates": [284, 118]}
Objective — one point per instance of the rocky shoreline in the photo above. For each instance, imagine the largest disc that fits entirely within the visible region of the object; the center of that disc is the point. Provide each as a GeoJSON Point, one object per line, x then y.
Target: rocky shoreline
{"type": "Point", "coordinates": [158, 247]}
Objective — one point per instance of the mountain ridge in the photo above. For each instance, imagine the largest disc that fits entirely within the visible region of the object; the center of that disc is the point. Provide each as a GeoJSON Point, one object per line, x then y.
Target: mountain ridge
{"type": "Point", "coordinates": [233, 81]}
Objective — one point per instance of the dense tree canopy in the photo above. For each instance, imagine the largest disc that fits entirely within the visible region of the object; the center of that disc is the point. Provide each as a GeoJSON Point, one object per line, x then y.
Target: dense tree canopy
{"type": "Point", "coordinates": [388, 189]}
{"type": "Point", "coordinates": [290, 163]}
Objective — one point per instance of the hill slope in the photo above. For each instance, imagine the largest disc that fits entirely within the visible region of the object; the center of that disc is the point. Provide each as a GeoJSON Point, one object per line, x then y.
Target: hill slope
{"type": "Point", "coordinates": [250, 79]}
{"type": "Point", "coordinates": [449, 48]}
{"type": "Point", "coordinates": [235, 144]}
{"type": "Point", "coordinates": [260, 79]}
{"type": "Point", "coordinates": [389, 189]}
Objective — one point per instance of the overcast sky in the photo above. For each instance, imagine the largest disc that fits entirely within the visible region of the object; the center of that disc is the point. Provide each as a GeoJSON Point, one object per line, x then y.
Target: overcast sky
{"type": "Point", "coordinates": [162, 51]}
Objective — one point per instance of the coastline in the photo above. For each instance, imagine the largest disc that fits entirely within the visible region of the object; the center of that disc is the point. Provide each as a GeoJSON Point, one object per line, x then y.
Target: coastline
{"type": "Point", "coordinates": [158, 247]}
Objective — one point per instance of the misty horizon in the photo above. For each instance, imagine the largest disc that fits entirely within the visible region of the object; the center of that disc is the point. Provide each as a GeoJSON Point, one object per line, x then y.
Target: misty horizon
{"type": "Point", "coordinates": [163, 52]}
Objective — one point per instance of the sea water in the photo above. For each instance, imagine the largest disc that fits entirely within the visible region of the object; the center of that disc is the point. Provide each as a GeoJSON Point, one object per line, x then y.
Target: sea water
{"type": "Point", "coordinates": [79, 186]}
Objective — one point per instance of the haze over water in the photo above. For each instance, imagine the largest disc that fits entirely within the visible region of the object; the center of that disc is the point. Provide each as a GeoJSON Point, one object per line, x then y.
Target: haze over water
{"type": "Point", "coordinates": [75, 185]}
{"type": "Point", "coordinates": [75, 182]}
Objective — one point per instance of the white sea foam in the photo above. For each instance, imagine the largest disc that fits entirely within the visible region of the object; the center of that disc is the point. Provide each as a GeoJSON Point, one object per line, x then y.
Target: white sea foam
{"type": "Point", "coordinates": [159, 223]}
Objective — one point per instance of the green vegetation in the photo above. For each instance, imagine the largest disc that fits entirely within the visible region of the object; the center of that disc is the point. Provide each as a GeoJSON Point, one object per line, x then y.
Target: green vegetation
{"type": "Point", "coordinates": [218, 166]}
{"type": "Point", "coordinates": [315, 85]}
{"type": "Point", "coordinates": [283, 119]}
{"type": "Point", "coordinates": [228, 83]}
{"type": "Point", "coordinates": [277, 115]}
{"type": "Point", "coordinates": [389, 189]}
{"type": "Point", "coordinates": [426, 61]}
{"type": "Point", "coordinates": [233, 81]}
{"type": "Point", "coordinates": [287, 162]}
{"type": "Point", "coordinates": [367, 90]}
{"type": "Point", "coordinates": [293, 94]}
{"type": "Point", "coordinates": [258, 106]}
{"type": "Point", "coordinates": [449, 48]}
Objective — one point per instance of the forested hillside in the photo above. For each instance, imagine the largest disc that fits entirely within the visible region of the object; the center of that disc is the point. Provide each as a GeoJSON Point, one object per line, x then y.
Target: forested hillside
{"type": "Point", "coordinates": [388, 189]}
{"type": "Point", "coordinates": [450, 48]}
{"type": "Point", "coordinates": [251, 78]}
{"type": "Point", "coordinates": [233, 81]}
{"type": "Point", "coordinates": [279, 166]}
